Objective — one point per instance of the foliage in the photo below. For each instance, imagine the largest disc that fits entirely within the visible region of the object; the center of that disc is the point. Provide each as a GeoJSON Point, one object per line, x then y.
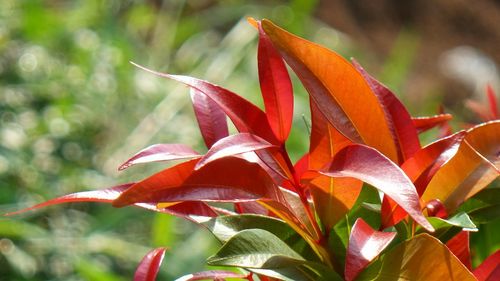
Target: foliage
{"type": "Point", "coordinates": [322, 218]}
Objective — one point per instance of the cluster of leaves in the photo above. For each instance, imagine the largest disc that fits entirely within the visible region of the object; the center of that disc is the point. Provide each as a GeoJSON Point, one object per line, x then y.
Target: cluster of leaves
{"type": "Point", "coordinates": [366, 202]}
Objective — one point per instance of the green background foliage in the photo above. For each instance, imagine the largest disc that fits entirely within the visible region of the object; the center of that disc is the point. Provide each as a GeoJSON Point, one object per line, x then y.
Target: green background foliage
{"type": "Point", "coordinates": [72, 109]}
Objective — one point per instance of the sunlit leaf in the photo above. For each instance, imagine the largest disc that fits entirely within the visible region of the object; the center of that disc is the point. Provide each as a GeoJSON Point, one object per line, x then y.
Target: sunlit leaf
{"type": "Point", "coordinates": [339, 91]}
{"type": "Point", "coordinates": [402, 128]}
{"type": "Point", "coordinates": [423, 124]}
{"type": "Point", "coordinates": [246, 117]}
{"type": "Point", "coordinates": [150, 265]}
{"type": "Point", "coordinates": [247, 182]}
{"type": "Point", "coordinates": [276, 88]}
{"type": "Point", "coordinates": [475, 165]}
{"type": "Point", "coordinates": [369, 165]}
{"type": "Point", "coordinates": [160, 152]}
{"type": "Point", "coordinates": [260, 249]}
{"type": "Point", "coordinates": [227, 226]}
{"type": "Point", "coordinates": [333, 197]}
{"type": "Point", "coordinates": [447, 228]}
{"type": "Point", "coordinates": [420, 169]}
{"type": "Point", "coordinates": [211, 118]}
{"type": "Point", "coordinates": [422, 258]}
{"type": "Point", "coordinates": [489, 270]}
{"type": "Point", "coordinates": [233, 145]}
{"type": "Point", "coordinates": [365, 244]}
{"type": "Point", "coordinates": [211, 275]}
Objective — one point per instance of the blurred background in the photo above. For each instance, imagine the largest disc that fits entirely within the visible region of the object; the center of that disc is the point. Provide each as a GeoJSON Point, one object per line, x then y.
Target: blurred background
{"type": "Point", "coordinates": [72, 108]}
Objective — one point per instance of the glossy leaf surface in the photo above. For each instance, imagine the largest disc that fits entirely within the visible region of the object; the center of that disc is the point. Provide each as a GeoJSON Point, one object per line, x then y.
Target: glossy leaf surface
{"type": "Point", "coordinates": [333, 197]}
{"type": "Point", "coordinates": [399, 120]}
{"type": "Point", "coordinates": [211, 118]}
{"type": "Point", "coordinates": [276, 88]}
{"type": "Point", "coordinates": [489, 270]}
{"type": "Point", "coordinates": [406, 262]}
{"type": "Point", "coordinates": [150, 265]}
{"type": "Point", "coordinates": [470, 170]}
{"type": "Point", "coordinates": [420, 169]}
{"type": "Point", "coordinates": [233, 145]}
{"type": "Point", "coordinates": [339, 91]}
{"type": "Point", "coordinates": [369, 165]}
{"type": "Point", "coordinates": [246, 117]}
{"type": "Point", "coordinates": [211, 275]}
{"type": "Point", "coordinates": [160, 152]}
{"type": "Point", "coordinates": [423, 124]}
{"type": "Point", "coordinates": [247, 182]}
{"type": "Point", "coordinates": [483, 207]}
{"type": "Point", "coordinates": [365, 244]}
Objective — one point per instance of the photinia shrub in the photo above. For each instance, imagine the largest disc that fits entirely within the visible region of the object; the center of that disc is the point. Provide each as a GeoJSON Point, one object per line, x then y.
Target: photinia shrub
{"type": "Point", "coordinates": [366, 202]}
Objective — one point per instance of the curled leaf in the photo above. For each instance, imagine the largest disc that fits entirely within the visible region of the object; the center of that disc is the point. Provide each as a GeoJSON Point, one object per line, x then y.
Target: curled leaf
{"type": "Point", "coordinates": [150, 265]}
{"type": "Point", "coordinates": [369, 165]}
{"type": "Point", "coordinates": [365, 244]}
{"type": "Point", "coordinates": [160, 152]}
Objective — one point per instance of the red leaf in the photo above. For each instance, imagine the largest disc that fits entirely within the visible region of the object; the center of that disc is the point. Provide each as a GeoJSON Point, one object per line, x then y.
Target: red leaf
{"type": "Point", "coordinates": [276, 88]}
{"type": "Point", "coordinates": [233, 145]}
{"type": "Point", "coordinates": [369, 165]}
{"type": "Point", "coordinates": [365, 244]}
{"type": "Point", "coordinates": [211, 118]}
{"type": "Point", "coordinates": [459, 246]}
{"type": "Point", "coordinates": [104, 195]}
{"type": "Point", "coordinates": [188, 209]}
{"type": "Point", "coordinates": [212, 275]}
{"type": "Point", "coordinates": [333, 197]}
{"type": "Point", "coordinates": [423, 124]}
{"type": "Point", "coordinates": [160, 152]}
{"type": "Point", "coordinates": [150, 265]}
{"type": "Point", "coordinates": [492, 100]}
{"type": "Point", "coordinates": [420, 169]}
{"type": "Point", "coordinates": [246, 117]}
{"type": "Point", "coordinates": [225, 180]}
{"type": "Point", "coordinates": [339, 91]}
{"type": "Point", "coordinates": [489, 270]}
{"type": "Point", "coordinates": [399, 120]}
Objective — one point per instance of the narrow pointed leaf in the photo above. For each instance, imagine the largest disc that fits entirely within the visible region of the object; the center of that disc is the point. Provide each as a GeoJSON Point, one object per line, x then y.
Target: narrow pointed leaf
{"type": "Point", "coordinates": [365, 244]}
{"type": "Point", "coordinates": [399, 120]}
{"type": "Point", "coordinates": [246, 117]}
{"type": "Point", "coordinates": [422, 258]}
{"type": "Point", "coordinates": [459, 246]}
{"type": "Point", "coordinates": [150, 265]}
{"type": "Point", "coordinates": [211, 118]}
{"type": "Point", "coordinates": [492, 100]}
{"type": "Point", "coordinates": [333, 197]}
{"type": "Point", "coordinates": [423, 124]}
{"type": "Point", "coordinates": [276, 88]}
{"type": "Point", "coordinates": [448, 228]}
{"type": "Point", "coordinates": [247, 182]}
{"type": "Point", "coordinates": [339, 91]}
{"type": "Point", "coordinates": [489, 270]}
{"type": "Point", "coordinates": [233, 145]}
{"type": "Point", "coordinates": [160, 152]}
{"type": "Point", "coordinates": [211, 275]}
{"type": "Point", "coordinates": [474, 166]}
{"type": "Point", "coordinates": [420, 169]}
{"type": "Point", "coordinates": [104, 195]}
{"type": "Point", "coordinates": [369, 165]}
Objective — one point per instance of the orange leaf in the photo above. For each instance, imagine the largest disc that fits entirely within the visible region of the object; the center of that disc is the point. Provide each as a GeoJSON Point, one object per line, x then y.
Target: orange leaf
{"type": "Point", "coordinates": [339, 91]}
{"type": "Point", "coordinates": [475, 165]}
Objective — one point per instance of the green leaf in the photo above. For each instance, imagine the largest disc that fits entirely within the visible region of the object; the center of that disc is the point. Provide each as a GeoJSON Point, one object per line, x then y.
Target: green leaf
{"type": "Point", "coordinates": [421, 258]}
{"type": "Point", "coordinates": [260, 249]}
{"type": "Point", "coordinates": [484, 206]}
{"type": "Point", "coordinates": [446, 229]}
{"type": "Point", "coordinates": [227, 226]}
